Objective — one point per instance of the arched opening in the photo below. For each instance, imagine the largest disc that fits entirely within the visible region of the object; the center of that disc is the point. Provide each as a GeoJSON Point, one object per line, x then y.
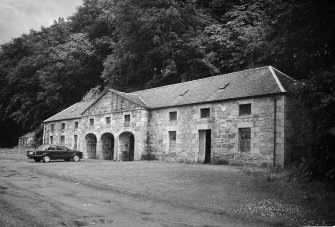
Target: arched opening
{"type": "Point", "coordinates": [107, 145]}
{"type": "Point", "coordinates": [91, 145]}
{"type": "Point", "coordinates": [127, 141]}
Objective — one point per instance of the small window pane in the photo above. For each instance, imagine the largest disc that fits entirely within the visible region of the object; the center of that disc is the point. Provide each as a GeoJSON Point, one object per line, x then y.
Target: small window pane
{"type": "Point", "coordinates": [205, 113]}
{"type": "Point", "coordinates": [173, 116]}
{"type": "Point", "coordinates": [63, 125]}
{"type": "Point", "coordinates": [108, 120]}
{"type": "Point", "coordinates": [52, 127]}
{"type": "Point", "coordinates": [76, 124]}
{"type": "Point", "coordinates": [245, 109]}
{"type": "Point", "coordinates": [91, 122]}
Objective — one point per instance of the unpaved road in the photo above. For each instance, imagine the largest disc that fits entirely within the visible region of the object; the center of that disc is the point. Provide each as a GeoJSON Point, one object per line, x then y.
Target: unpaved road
{"type": "Point", "coordinates": [105, 193]}
{"type": "Point", "coordinates": [30, 199]}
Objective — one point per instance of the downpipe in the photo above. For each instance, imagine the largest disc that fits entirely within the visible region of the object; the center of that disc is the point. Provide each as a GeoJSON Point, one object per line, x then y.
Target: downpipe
{"type": "Point", "coordinates": [274, 130]}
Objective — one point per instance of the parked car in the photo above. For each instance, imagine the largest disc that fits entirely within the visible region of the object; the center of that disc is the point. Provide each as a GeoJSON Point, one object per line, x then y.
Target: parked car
{"type": "Point", "coordinates": [53, 152]}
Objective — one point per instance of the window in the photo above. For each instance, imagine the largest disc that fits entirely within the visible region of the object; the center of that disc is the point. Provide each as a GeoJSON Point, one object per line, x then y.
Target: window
{"type": "Point", "coordinates": [245, 109]}
{"type": "Point", "coordinates": [126, 120]}
{"type": "Point", "coordinates": [91, 122]}
{"type": "Point", "coordinates": [50, 148]}
{"type": "Point", "coordinates": [51, 139]}
{"type": "Point", "coordinates": [244, 136]}
{"type": "Point", "coordinates": [62, 139]}
{"type": "Point", "coordinates": [75, 142]}
{"type": "Point", "coordinates": [108, 120]}
{"type": "Point", "coordinates": [76, 124]}
{"type": "Point", "coordinates": [204, 113]}
{"type": "Point", "coordinates": [173, 116]}
{"type": "Point", "coordinates": [172, 139]}
{"type": "Point", "coordinates": [52, 127]}
{"type": "Point", "coordinates": [63, 125]}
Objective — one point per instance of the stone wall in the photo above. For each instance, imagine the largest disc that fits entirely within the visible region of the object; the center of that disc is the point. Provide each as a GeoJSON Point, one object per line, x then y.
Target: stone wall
{"type": "Point", "coordinates": [68, 132]}
{"type": "Point", "coordinates": [224, 123]}
{"type": "Point", "coordinates": [152, 130]}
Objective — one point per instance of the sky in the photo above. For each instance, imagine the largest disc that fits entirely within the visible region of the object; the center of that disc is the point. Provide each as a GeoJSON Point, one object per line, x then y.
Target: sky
{"type": "Point", "coordinates": [17, 17]}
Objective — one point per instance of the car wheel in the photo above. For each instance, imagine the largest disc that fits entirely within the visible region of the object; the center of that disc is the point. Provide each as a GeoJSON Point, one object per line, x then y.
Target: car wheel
{"type": "Point", "coordinates": [37, 159]}
{"type": "Point", "coordinates": [46, 158]}
{"type": "Point", "coordinates": [76, 158]}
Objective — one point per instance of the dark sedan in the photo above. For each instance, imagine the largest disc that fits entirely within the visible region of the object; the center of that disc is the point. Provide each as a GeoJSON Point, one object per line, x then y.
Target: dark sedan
{"type": "Point", "coordinates": [53, 152]}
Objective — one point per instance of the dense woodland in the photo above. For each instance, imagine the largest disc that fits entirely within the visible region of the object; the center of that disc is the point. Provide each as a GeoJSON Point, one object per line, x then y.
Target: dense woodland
{"type": "Point", "coordinates": [136, 44]}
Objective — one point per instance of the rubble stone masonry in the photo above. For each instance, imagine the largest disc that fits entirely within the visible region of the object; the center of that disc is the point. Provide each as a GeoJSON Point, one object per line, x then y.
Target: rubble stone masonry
{"type": "Point", "coordinates": [151, 128]}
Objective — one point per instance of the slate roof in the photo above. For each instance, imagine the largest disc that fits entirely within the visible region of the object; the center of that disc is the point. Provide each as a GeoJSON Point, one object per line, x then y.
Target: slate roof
{"type": "Point", "coordinates": [247, 83]}
{"type": "Point", "coordinates": [29, 134]}
{"type": "Point", "coordinates": [71, 112]}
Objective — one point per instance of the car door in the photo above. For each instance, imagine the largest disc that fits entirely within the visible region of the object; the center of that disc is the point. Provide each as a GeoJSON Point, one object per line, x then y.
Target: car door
{"type": "Point", "coordinates": [53, 151]}
{"type": "Point", "coordinates": [64, 152]}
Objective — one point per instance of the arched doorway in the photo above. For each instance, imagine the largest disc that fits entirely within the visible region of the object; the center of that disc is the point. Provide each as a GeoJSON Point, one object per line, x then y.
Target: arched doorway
{"type": "Point", "coordinates": [127, 141]}
{"type": "Point", "coordinates": [91, 145]}
{"type": "Point", "coordinates": [107, 145]}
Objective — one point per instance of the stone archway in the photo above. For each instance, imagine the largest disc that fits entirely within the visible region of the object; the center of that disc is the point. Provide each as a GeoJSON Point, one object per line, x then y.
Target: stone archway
{"type": "Point", "coordinates": [91, 145]}
{"type": "Point", "coordinates": [107, 145]}
{"type": "Point", "coordinates": [127, 146]}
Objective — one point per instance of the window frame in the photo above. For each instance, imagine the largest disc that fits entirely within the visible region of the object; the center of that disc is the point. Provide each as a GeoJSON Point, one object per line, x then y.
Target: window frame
{"type": "Point", "coordinates": [173, 116]}
{"type": "Point", "coordinates": [108, 120]}
{"type": "Point", "coordinates": [205, 112]}
{"type": "Point", "coordinates": [126, 119]}
{"type": "Point", "coordinates": [62, 139]}
{"type": "Point", "coordinates": [243, 141]}
{"type": "Point", "coordinates": [76, 125]}
{"type": "Point", "coordinates": [91, 120]}
{"type": "Point", "coordinates": [63, 126]}
{"type": "Point", "coordinates": [172, 139]}
{"type": "Point", "coordinates": [241, 107]}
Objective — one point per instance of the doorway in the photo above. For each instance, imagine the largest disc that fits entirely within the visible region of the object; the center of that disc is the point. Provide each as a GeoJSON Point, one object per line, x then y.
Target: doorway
{"type": "Point", "coordinates": [107, 145]}
{"type": "Point", "coordinates": [91, 145]}
{"type": "Point", "coordinates": [204, 146]}
{"type": "Point", "coordinates": [127, 141]}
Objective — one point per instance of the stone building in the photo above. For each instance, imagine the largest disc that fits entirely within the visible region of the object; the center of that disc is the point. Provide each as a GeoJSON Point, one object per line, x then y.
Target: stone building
{"type": "Point", "coordinates": [241, 117]}
{"type": "Point", "coordinates": [28, 139]}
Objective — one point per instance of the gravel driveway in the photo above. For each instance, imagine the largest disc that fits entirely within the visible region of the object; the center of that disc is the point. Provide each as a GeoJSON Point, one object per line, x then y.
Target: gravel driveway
{"type": "Point", "coordinates": [218, 191]}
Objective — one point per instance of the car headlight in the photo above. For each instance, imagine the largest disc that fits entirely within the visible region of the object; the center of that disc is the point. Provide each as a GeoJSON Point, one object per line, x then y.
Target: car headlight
{"type": "Point", "coordinates": [31, 152]}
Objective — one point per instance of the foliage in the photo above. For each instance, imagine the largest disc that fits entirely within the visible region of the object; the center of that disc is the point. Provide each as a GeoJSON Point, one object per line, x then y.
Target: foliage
{"type": "Point", "coordinates": [314, 123]}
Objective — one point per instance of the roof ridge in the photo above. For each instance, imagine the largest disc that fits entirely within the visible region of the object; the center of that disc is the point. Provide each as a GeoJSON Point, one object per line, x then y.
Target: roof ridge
{"type": "Point", "coordinates": [124, 95]}
{"type": "Point", "coordinates": [196, 79]}
{"type": "Point", "coordinates": [284, 74]}
{"type": "Point", "coordinates": [277, 79]}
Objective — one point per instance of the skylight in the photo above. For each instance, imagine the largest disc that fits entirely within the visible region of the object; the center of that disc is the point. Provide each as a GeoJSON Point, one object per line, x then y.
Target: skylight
{"type": "Point", "coordinates": [223, 86]}
{"type": "Point", "coordinates": [182, 94]}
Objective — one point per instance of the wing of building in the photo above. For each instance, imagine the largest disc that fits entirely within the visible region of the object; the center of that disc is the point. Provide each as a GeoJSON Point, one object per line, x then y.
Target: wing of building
{"type": "Point", "coordinates": [241, 117]}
